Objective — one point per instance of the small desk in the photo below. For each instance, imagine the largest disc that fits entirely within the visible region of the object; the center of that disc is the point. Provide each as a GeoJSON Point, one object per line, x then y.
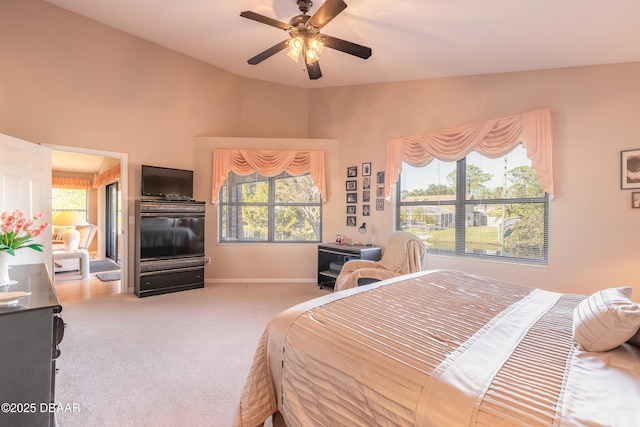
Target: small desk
{"type": "Point", "coordinates": [333, 253]}
{"type": "Point", "coordinates": [80, 254]}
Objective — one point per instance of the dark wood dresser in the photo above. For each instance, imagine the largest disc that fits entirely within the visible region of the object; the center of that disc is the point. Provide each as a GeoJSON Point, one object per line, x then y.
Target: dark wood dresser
{"type": "Point", "coordinates": [30, 331]}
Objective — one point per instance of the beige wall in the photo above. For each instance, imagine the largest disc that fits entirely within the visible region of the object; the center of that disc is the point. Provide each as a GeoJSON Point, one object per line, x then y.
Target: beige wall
{"type": "Point", "coordinates": [593, 230]}
{"type": "Point", "coordinates": [66, 80]}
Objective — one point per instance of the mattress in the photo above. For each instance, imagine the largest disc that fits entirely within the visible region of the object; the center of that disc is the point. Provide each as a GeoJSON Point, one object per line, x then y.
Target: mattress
{"type": "Point", "coordinates": [437, 348]}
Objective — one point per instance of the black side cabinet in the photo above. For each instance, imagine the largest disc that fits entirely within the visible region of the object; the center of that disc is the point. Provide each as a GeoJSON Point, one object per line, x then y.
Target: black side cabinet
{"type": "Point", "coordinates": [331, 257]}
{"type": "Point", "coordinates": [31, 329]}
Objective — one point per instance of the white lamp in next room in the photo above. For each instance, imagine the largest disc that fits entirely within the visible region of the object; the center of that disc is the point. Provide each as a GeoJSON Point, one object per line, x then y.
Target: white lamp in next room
{"type": "Point", "coordinates": [70, 220]}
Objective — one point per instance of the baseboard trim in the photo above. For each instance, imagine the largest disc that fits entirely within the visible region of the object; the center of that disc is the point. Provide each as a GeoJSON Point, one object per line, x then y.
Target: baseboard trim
{"type": "Point", "coordinates": [260, 280]}
{"type": "Point", "coordinates": [252, 280]}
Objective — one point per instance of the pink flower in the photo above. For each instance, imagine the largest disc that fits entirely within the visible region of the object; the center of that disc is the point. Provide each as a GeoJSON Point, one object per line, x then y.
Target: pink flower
{"type": "Point", "coordinates": [17, 231]}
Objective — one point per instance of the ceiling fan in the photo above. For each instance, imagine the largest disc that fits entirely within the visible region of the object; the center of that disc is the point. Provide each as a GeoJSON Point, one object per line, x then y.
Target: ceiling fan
{"type": "Point", "coordinates": [305, 38]}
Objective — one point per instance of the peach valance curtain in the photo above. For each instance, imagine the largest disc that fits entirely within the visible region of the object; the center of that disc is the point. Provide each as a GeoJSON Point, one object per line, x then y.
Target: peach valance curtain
{"type": "Point", "coordinates": [268, 163]}
{"type": "Point", "coordinates": [72, 183]}
{"type": "Point", "coordinates": [111, 175]}
{"type": "Point", "coordinates": [493, 138]}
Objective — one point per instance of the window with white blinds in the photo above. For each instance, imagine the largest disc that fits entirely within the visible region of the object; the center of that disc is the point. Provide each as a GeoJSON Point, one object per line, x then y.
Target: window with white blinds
{"type": "Point", "coordinates": [477, 206]}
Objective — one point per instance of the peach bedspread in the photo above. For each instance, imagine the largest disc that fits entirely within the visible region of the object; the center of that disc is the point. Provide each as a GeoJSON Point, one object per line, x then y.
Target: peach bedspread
{"type": "Point", "coordinates": [436, 348]}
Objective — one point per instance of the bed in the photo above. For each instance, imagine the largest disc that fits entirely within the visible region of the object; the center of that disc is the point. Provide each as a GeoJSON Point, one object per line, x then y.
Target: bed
{"type": "Point", "coordinates": [445, 348]}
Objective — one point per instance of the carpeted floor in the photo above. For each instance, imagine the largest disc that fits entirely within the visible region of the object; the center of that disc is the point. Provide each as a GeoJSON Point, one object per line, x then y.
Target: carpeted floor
{"type": "Point", "coordinates": [167, 360]}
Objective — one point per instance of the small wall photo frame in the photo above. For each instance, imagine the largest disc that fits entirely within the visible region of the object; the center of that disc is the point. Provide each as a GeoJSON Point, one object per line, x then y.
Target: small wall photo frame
{"type": "Point", "coordinates": [366, 183]}
{"type": "Point", "coordinates": [352, 185]}
{"type": "Point", "coordinates": [635, 199]}
{"type": "Point", "coordinates": [351, 221]}
{"type": "Point", "coordinates": [630, 169]}
{"type": "Point", "coordinates": [352, 171]}
{"type": "Point", "coordinates": [352, 197]}
{"type": "Point", "coordinates": [366, 169]}
{"type": "Point", "coordinates": [351, 209]}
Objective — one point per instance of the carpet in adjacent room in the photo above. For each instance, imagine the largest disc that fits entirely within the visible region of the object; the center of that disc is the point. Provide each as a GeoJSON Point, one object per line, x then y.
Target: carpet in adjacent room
{"type": "Point", "coordinates": [109, 276]}
{"type": "Point", "coordinates": [99, 265]}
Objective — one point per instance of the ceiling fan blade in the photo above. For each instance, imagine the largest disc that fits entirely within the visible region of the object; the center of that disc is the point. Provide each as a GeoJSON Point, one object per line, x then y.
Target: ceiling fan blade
{"type": "Point", "coordinates": [264, 19]}
{"type": "Point", "coordinates": [313, 70]}
{"type": "Point", "coordinates": [269, 52]}
{"type": "Point", "coordinates": [347, 47]}
{"type": "Point", "coordinates": [329, 10]}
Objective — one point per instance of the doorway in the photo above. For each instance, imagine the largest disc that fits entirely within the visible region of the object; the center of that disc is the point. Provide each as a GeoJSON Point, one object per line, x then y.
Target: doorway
{"type": "Point", "coordinates": [111, 210]}
{"type": "Point", "coordinates": [113, 213]}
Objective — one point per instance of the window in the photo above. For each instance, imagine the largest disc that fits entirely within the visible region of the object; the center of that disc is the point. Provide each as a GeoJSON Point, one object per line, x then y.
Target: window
{"type": "Point", "coordinates": [69, 199]}
{"type": "Point", "coordinates": [280, 209]}
{"type": "Point", "coordinates": [477, 207]}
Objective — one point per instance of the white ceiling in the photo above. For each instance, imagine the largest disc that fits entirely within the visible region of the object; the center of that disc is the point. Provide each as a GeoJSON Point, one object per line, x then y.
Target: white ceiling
{"type": "Point", "coordinates": [66, 161]}
{"type": "Point", "coordinates": [410, 39]}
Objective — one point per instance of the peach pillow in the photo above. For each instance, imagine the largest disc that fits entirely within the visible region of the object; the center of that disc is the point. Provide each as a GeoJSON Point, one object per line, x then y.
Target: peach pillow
{"type": "Point", "coordinates": [606, 319]}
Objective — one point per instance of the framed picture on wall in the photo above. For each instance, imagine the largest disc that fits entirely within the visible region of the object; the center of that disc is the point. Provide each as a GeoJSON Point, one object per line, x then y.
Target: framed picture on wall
{"type": "Point", "coordinates": [366, 169]}
{"type": "Point", "coordinates": [351, 209]}
{"type": "Point", "coordinates": [352, 171]}
{"type": "Point", "coordinates": [352, 185]}
{"type": "Point", "coordinates": [379, 204]}
{"type": "Point", "coordinates": [630, 169]}
{"type": "Point", "coordinates": [352, 197]}
{"type": "Point", "coordinates": [366, 183]}
{"type": "Point", "coordinates": [351, 221]}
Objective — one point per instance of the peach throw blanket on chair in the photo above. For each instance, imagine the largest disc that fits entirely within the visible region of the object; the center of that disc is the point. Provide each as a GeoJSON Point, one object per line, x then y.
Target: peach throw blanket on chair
{"type": "Point", "coordinates": [405, 254]}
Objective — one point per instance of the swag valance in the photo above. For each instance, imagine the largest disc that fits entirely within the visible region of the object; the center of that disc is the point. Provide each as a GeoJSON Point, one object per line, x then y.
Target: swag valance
{"type": "Point", "coordinates": [111, 175]}
{"type": "Point", "coordinates": [70, 183]}
{"type": "Point", "coordinates": [493, 138]}
{"type": "Point", "coordinates": [268, 163]}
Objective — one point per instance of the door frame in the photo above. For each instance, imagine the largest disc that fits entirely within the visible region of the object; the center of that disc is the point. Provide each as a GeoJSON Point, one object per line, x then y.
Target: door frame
{"type": "Point", "coordinates": [124, 181]}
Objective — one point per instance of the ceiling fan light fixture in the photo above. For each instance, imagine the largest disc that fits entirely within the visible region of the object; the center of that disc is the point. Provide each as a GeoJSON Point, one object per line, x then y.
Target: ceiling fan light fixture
{"type": "Point", "coordinates": [313, 49]}
{"type": "Point", "coordinates": [296, 45]}
{"type": "Point", "coordinates": [305, 37]}
{"type": "Point", "coordinates": [315, 45]}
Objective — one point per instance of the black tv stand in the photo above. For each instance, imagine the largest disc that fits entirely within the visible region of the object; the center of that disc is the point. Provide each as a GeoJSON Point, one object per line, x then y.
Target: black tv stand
{"type": "Point", "coordinates": [161, 275]}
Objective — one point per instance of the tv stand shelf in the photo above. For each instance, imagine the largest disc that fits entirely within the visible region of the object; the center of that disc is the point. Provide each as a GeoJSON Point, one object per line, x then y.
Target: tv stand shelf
{"type": "Point", "coordinates": [333, 254]}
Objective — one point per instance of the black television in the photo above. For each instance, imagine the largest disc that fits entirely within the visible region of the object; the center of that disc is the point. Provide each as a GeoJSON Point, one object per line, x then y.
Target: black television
{"type": "Point", "coordinates": [167, 182]}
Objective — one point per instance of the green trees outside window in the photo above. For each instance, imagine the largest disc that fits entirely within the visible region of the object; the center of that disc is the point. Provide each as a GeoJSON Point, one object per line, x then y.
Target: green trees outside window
{"type": "Point", "coordinates": [278, 209]}
{"type": "Point", "coordinates": [500, 210]}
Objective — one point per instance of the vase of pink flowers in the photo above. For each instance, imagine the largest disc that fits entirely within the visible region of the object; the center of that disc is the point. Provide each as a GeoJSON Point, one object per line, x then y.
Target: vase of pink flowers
{"type": "Point", "coordinates": [16, 232]}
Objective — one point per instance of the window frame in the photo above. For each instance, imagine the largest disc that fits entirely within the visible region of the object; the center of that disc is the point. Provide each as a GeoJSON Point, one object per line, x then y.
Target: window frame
{"type": "Point", "coordinates": [67, 208]}
{"type": "Point", "coordinates": [460, 203]}
{"type": "Point", "coordinates": [271, 205]}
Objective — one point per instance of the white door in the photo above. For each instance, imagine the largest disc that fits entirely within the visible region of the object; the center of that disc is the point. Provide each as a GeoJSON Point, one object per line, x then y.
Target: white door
{"type": "Point", "coordinates": [25, 184]}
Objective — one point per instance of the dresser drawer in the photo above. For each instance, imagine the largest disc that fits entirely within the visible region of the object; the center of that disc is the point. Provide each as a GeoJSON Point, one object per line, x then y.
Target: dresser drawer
{"type": "Point", "coordinates": [173, 279]}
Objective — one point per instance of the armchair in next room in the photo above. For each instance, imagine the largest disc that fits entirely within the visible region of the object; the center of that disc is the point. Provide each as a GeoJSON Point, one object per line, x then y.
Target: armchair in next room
{"type": "Point", "coordinates": [405, 253]}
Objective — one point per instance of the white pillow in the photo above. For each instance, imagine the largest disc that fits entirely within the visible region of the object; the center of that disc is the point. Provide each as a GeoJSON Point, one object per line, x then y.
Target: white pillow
{"type": "Point", "coordinates": [606, 319]}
